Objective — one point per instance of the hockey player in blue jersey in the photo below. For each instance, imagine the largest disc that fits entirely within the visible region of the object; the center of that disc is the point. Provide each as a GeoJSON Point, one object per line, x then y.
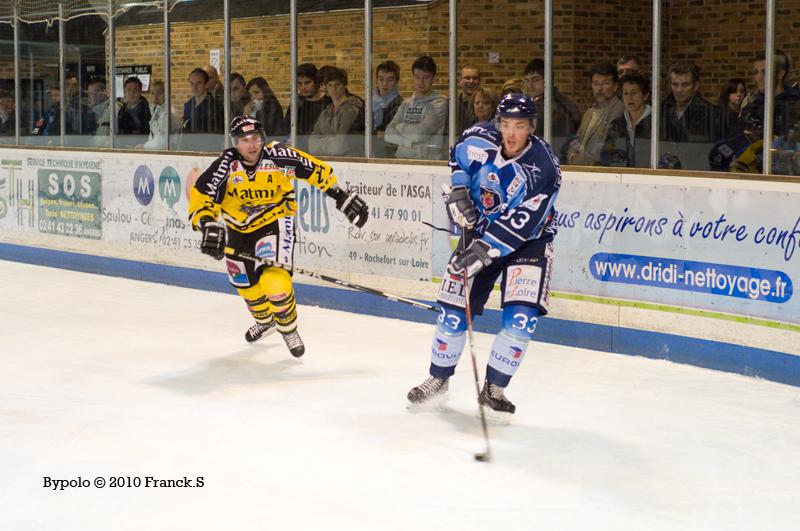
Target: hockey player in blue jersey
{"type": "Point", "coordinates": [504, 185]}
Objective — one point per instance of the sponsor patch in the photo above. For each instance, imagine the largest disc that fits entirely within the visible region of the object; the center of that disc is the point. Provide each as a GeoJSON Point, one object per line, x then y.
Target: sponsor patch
{"type": "Point", "coordinates": [451, 290]}
{"type": "Point", "coordinates": [477, 154]}
{"type": "Point", "coordinates": [514, 186]}
{"type": "Point", "coordinates": [236, 179]}
{"type": "Point", "coordinates": [237, 273]}
{"type": "Point", "coordinates": [523, 284]}
{"type": "Point", "coordinates": [266, 247]}
{"type": "Point", "coordinates": [535, 202]}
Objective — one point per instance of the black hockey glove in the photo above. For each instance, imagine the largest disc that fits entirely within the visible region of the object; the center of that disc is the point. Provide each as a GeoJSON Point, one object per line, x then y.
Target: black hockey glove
{"type": "Point", "coordinates": [460, 208]}
{"type": "Point", "coordinates": [474, 258]}
{"type": "Point", "coordinates": [213, 238]}
{"type": "Point", "coordinates": [352, 206]}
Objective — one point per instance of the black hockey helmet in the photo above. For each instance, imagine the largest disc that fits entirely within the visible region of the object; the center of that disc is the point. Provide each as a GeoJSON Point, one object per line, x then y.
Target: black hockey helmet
{"type": "Point", "coordinates": [245, 126]}
{"type": "Point", "coordinates": [516, 106]}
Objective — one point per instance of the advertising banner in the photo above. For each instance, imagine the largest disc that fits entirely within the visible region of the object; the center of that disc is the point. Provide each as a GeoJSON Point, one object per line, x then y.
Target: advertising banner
{"type": "Point", "coordinates": [727, 248]}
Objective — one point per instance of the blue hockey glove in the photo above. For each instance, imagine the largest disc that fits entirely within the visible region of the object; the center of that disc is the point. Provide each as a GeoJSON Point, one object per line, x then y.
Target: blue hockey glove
{"type": "Point", "coordinates": [474, 258]}
{"type": "Point", "coordinates": [213, 243]}
{"type": "Point", "coordinates": [352, 206]}
{"type": "Point", "coordinates": [460, 208]}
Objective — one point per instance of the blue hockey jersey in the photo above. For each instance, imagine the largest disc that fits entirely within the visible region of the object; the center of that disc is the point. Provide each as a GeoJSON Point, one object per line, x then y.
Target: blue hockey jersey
{"type": "Point", "coordinates": [515, 198]}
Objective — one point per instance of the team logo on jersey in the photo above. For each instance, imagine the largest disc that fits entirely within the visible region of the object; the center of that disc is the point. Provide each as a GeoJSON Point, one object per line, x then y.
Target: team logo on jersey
{"type": "Point", "coordinates": [440, 345]}
{"type": "Point", "coordinates": [490, 200]}
{"type": "Point", "coordinates": [477, 154]}
{"type": "Point", "coordinates": [535, 202]}
{"type": "Point", "coordinates": [492, 177]}
{"type": "Point", "coordinates": [265, 247]}
{"type": "Point", "coordinates": [235, 166]}
{"type": "Point", "coordinates": [237, 273]}
{"type": "Point", "coordinates": [236, 179]}
{"type": "Point", "coordinates": [516, 353]}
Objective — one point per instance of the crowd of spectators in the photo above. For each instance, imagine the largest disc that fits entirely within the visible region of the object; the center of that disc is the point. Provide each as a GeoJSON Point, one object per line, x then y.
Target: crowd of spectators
{"type": "Point", "coordinates": [615, 130]}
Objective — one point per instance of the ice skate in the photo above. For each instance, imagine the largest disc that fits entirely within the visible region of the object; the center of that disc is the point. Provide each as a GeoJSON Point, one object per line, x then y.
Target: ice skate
{"type": "Point", "coordinates": [259, 330]}
{"type": "Point", "coordinates": [431, 391]}
{"type": "Point", "coordinates": [498, 408]}
{"type": "Point", "coordinates": [295, 344]}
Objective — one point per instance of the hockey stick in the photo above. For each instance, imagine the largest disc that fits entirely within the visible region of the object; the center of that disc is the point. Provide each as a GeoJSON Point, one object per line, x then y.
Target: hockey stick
{"type": "Point", "coordinates": [340, 282]}
{"type": "Point", "coordinates": [487, 455]}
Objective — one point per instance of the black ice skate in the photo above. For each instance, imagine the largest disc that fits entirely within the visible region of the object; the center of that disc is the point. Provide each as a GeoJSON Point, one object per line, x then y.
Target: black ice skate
{"type": "Point", "coordinates": [428, 389]}
{"type": "Point", "coordinates": [259, 330]}
{"type": "Point", "coordinates": [492, 397]}
{"type": "Point", "coordinates": [295, 344]}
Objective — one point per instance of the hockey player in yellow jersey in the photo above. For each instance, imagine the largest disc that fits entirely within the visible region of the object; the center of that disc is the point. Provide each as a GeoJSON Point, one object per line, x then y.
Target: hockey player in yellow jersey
{"type": "Point", "coordinates": [244, 204]}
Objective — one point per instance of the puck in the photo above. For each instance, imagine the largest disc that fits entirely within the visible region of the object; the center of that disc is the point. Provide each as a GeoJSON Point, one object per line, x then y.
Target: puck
{"type": "Point", "coordinates": [481, 457]}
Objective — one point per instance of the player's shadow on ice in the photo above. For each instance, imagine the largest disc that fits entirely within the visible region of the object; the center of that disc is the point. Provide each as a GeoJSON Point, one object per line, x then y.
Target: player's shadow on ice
{"type": "Point", "coordinates": [245, 367]}
{"type": "Point", "coordinates": [578, 457]}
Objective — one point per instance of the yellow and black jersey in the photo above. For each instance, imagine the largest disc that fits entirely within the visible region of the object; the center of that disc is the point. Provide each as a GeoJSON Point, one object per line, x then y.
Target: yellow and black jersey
{"type": "Point", "coordinates": [249, 197]}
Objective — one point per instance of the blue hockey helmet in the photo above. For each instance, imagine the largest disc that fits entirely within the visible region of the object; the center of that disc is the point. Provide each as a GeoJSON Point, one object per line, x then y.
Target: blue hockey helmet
{"type": "Point", "coordinates": [516, 106]}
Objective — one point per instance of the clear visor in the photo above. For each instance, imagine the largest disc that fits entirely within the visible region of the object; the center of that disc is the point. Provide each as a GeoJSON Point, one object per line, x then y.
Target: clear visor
{"type": "Point", "coordinates": [255, 136]}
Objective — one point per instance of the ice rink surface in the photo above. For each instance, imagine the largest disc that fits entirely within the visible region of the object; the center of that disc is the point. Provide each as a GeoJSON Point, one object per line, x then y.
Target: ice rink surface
{"type": "Point", "coordinates": [107, 377]}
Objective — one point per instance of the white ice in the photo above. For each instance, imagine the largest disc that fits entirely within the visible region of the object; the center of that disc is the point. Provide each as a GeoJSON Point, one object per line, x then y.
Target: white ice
{"type": "Point", "coordinates": [110, 377]}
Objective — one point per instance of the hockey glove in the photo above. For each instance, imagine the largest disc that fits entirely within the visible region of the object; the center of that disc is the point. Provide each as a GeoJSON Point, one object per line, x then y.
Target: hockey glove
{"type": "Point", "coordinates": [213, 243]}
{"type": "Point", "coordinates": [460, 208]}
{"type": "Point", "coordinates": [352, 206]}
{"type": "Point", "coordinates": [474, 258]}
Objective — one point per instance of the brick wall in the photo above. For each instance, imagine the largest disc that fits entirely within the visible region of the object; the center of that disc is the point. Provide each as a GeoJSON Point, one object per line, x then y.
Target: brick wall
{"type": "Point", "coordinates": [721, 36]}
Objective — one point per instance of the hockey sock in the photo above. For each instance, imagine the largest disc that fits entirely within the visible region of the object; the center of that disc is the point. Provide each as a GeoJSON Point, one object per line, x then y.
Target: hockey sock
{"type": "Point", "coordinates": [257, 303]}
{"type": "Point", "coordinates": [508, 349]}
{"type": "Point", "coordinates": [445, 351]}
{"type": "Point", "coordinates": [285, 310]}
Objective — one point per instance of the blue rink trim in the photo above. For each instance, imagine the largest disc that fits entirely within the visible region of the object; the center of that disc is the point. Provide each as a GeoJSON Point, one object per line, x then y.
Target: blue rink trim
{"type": "Point", "coordinates": [767, 364]}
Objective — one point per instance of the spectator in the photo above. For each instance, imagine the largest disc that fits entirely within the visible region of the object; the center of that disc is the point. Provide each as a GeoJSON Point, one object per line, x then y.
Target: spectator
{"type": "Point", "coordinates": [729, 107]}
{"type": "Point", "coordinates": [158, 120]}
{"type": "Point", "coordinates": [239, 96]}
{"type": "Point", "coordinates": [469, 83]}
{"type": "Point", "coordinates": [7, 114]}
{"type": "Point", "coordinates": [511, 86]}
{"type": "Point", "coordinates": [311, 101]}
{"type": "Point", "coordinates": [99, 104]}
{"type": "Point", "coordinates": [386, 99]}
{"type": "Point", "coordinates": [264, 107]}
{"type": "Point", "coordinates": [49, 124]}
{"type": "Point", "coordinates": [586, 148]}
{"type": "Point", "coordinates": [215, 86]}
{"type": "Point", "coordinates": [335, 132]}
{"type": "Point", "coordinates": [202, 113]}
{"type": "Point", "coordinates": [685, 115]}
{"type": "Point", "coordinates": [80, 119]}
{"type": "Point", "coordinates": [628, 64]}
{"type": "Point", "coordinates": [418, 129]}
{"type": "Point", "coordinates": [134, 116]}
{"type": "Point", "coordinates": [787, 99]}
{"type": "Point", "coordinates": [786, 159]}
{"type": "Point", "coordinates": [566, 113]}
{"type": "Point", "coordinates": [385, 102]}
{"type": "Point", "coordinates": [321, 73]}
{"type": "Point", "coordinates": [735, 153]}
{"type": "Point", "coordinates": [628, 141]}
{"type": "Point", "coordinates": [484, 105]}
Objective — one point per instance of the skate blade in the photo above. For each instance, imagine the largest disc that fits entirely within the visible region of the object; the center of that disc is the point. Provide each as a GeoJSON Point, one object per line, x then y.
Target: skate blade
{"type": "Point", "coordinates": [498, 418]}
{"type": "Point", "coordinates": [435, 403]}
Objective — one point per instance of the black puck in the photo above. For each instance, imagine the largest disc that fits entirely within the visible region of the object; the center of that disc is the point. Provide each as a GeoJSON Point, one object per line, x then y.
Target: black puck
{"type": "Point", "coordinates": [481, 457]}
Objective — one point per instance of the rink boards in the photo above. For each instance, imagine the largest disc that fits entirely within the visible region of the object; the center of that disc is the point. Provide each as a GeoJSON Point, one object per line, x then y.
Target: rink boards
{"type": "Point", "coordinates": [695, 270]}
